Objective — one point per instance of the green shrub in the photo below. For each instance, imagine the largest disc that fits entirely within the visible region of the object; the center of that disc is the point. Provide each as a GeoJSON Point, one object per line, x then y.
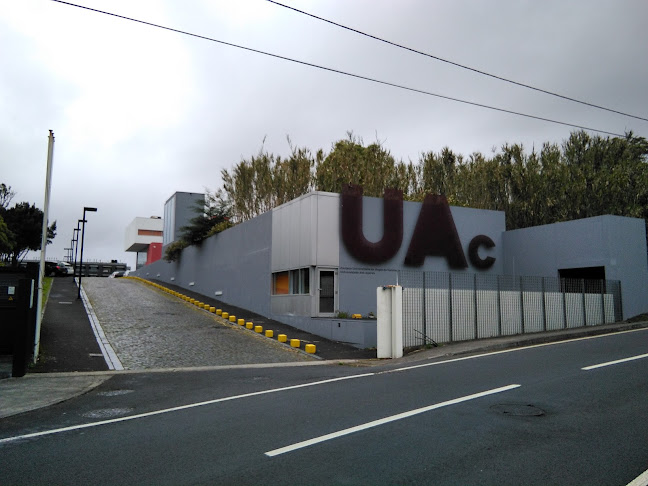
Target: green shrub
{"type": "Point", "coordinates": [173, 251]}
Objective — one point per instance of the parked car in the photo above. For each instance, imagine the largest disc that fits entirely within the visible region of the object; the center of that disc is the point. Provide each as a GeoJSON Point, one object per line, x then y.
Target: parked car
{"type": "Point", "coordinates": [58, 269]}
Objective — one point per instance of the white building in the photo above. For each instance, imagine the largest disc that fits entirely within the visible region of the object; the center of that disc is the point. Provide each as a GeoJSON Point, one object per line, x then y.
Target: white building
{"type": "Point", "coordinates": [144, 236]}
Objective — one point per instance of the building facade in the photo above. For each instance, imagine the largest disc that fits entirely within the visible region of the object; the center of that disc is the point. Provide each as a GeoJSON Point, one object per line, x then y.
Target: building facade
{"type": "Point", "coordinates": [179, 209]}
{"type": "Point", "coordinates": [319, 258]}
{"type": "Point", "coordinates": [144, 237]}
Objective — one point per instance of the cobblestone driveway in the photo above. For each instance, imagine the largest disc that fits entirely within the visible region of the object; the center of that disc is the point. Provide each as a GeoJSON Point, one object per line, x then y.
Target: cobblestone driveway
{"type": "Point", "coordinates": [151, 329]}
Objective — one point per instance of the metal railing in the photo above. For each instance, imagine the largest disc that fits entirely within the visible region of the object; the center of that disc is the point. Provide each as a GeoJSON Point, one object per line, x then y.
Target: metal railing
{"type": "Point", "coordinates": [443, 307]}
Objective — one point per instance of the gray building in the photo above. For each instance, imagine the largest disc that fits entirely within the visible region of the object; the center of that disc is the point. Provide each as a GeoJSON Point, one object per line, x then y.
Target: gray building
{"type": "Point", "coordinates": [321, 257]}
{"type": "Point", "coordinates": [179, 209]}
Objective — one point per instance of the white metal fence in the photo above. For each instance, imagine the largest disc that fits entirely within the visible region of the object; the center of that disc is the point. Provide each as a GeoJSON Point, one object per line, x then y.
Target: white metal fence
{"type": "Point", "coordinates": [444, 307]}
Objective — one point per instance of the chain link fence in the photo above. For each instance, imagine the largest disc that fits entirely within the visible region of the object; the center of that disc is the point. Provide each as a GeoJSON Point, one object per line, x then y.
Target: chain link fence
{"type": "Point", "coordinates": [443, 307]}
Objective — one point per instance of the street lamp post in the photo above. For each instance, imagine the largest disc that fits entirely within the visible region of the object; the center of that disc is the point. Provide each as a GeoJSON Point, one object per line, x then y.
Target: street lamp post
{"type": "Point", "coordinates": [83, 221]}
{"type": "Point", "coordinates": [76, 248]}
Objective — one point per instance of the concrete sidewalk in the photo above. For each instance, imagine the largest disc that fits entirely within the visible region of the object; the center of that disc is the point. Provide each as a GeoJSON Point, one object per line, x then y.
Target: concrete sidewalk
{"type": "Point", "coordinates": [67, 341]}
{"type": "Point", "coordinates": [20, 395]}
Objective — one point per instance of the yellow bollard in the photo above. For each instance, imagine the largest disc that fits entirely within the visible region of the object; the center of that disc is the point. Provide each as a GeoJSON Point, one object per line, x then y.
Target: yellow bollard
{"type": "Point", "coordinates": [219, 311]}
{"type": "Point", "coordinates": [282, 338]}
{"type": "Point", "coordinates": [225, 315]}
{"type": "Point", "coordinates": [269, 333]}
{"type": "Point", "coordinates": [241, 322]}
{"type": "Point", "coordinates": [192, 301]}
{"type": "Point", "coordinates": [310, 348]}
{"type": "Point", "coordinates": [258, 329]}
{"type": "Point", "coordinates": [249, 325]}
{"type": "Point", "coordinates": [212, 310]}
{"type": "Point", "coordinates": [294, 343]}
{"type": "Point", "coordinates": [232, 318]}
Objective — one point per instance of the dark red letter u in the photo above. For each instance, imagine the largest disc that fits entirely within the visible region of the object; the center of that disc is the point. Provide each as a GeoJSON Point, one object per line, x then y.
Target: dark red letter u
{"type": "Point", "coordinates": [351, 220]}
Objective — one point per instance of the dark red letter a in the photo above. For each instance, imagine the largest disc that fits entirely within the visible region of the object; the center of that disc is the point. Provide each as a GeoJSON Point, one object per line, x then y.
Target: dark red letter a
{"type": "Point", "coordinates": [435, 234]}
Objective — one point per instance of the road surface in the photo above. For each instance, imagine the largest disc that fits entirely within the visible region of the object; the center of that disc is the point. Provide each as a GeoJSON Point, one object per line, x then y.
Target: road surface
{"type": "Point", "coordinates": [539, 415]}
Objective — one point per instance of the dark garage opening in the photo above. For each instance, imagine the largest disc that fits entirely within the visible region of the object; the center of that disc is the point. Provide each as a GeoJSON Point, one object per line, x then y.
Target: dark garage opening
{"type": "Point", "coordinates": [590, 280]}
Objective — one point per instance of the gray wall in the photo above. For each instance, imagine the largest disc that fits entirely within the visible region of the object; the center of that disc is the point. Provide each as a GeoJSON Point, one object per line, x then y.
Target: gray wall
{"type": "Point", "coordinates": [613, 242]}
{"type": "Point", "coordinates": [358, 281]}
{"type": "Point", "coordinates": [235, 262]}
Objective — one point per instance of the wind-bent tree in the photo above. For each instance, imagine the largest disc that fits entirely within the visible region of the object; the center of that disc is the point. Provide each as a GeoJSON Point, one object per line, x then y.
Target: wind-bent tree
{"type": "Point", "coordinates": [6, 195]}
{"type": "Point", "coordinates": [265, 181]}
{"type": "Point", "coordinates": [24, 222]}
{"type": "Point", "coordinates": [584, 176]}
{"type": "Point", "coordinates": [350, 162]}
{"type": "Point", "coordinates": [6, 238]}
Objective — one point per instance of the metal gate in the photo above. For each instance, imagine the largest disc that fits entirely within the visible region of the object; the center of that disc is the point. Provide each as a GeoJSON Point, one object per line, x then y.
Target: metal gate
{"type": "Point", "coordinates": [444, 307]}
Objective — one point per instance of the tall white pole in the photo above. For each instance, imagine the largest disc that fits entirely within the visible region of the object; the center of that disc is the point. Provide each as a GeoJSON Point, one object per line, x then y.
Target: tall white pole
{"type": "Point", "coordinates": [41, 273]}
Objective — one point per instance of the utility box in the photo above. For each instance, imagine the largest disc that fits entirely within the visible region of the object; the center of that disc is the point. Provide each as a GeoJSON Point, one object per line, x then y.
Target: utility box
{"type": "Point", "coordinates": [18, 294]}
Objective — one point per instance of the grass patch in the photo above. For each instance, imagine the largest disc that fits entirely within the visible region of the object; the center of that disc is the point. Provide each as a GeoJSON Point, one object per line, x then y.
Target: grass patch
{"type": "Point", "coordinates": [47, 286]}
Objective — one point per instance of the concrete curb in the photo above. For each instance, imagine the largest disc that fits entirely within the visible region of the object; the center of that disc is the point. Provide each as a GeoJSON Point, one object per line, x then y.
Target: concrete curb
{"type": "Point", "coordinates": [521, 341]}
{"type": "Point", "coordinates": [111, 358]}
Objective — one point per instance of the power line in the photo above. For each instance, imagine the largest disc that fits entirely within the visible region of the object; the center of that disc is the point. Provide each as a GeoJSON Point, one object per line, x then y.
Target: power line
{"type": "Point", "coordinates": [357, 76]}
{"type": "Point", "coordinates": [462, 66]}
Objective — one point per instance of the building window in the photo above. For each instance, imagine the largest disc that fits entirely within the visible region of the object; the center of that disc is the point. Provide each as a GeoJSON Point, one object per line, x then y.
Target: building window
{"type": "Point", "coordinates": [280, 283]}
{"type": "Point", "coordinates": [145, 232]}
{"type": "Point", "coordinates": [291, 282]}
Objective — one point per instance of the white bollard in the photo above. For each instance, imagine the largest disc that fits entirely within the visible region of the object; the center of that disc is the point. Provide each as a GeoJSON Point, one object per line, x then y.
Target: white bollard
{"type": "Point", "coordinates": [389, 306]}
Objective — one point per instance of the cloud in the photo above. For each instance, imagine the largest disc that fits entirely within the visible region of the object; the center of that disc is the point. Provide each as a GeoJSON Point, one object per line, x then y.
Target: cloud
{"type": "Point", "coordinates": [140, 113]}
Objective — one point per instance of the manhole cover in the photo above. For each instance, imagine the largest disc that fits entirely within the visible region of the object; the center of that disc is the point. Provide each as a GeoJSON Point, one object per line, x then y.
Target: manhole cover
{"type": "Point", "coordinates": [105, 413]}
{"type": "Point", "coordinates": [518, 410]}
{"type": "Point", "coordinates": [114, 393]}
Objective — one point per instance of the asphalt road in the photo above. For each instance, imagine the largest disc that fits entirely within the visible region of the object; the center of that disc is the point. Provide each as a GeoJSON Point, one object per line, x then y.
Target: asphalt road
{"type": "Point", "coordinates": [526, 416]}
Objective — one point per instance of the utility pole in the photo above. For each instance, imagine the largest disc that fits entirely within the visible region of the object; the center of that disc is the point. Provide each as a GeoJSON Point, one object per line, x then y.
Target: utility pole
{"type": "Point", "coordinates": [41, 271]}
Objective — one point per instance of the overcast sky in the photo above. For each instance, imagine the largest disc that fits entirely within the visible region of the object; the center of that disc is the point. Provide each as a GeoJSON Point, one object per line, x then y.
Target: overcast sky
{"type": "Point", "coordinates": [139, 113]}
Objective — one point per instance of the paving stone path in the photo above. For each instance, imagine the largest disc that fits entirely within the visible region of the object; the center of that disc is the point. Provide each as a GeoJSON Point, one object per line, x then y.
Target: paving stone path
{"type": "Point", "coordinates": [151, 329]}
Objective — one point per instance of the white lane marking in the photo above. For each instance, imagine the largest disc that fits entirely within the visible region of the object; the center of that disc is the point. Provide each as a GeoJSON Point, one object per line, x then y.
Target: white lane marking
{"type": "Point", "coordinates": [512, 350]}
{"type": "Point", "coordinates": [176, 409]}
{"type": "Point", "coordinates": [617, 361]}
{"type": "Point", "coordinates": [109, 355]}
{"type": "Point", "coordinates": [641, 480]}
{"type": "Point", "coordinates": [375, 423]}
